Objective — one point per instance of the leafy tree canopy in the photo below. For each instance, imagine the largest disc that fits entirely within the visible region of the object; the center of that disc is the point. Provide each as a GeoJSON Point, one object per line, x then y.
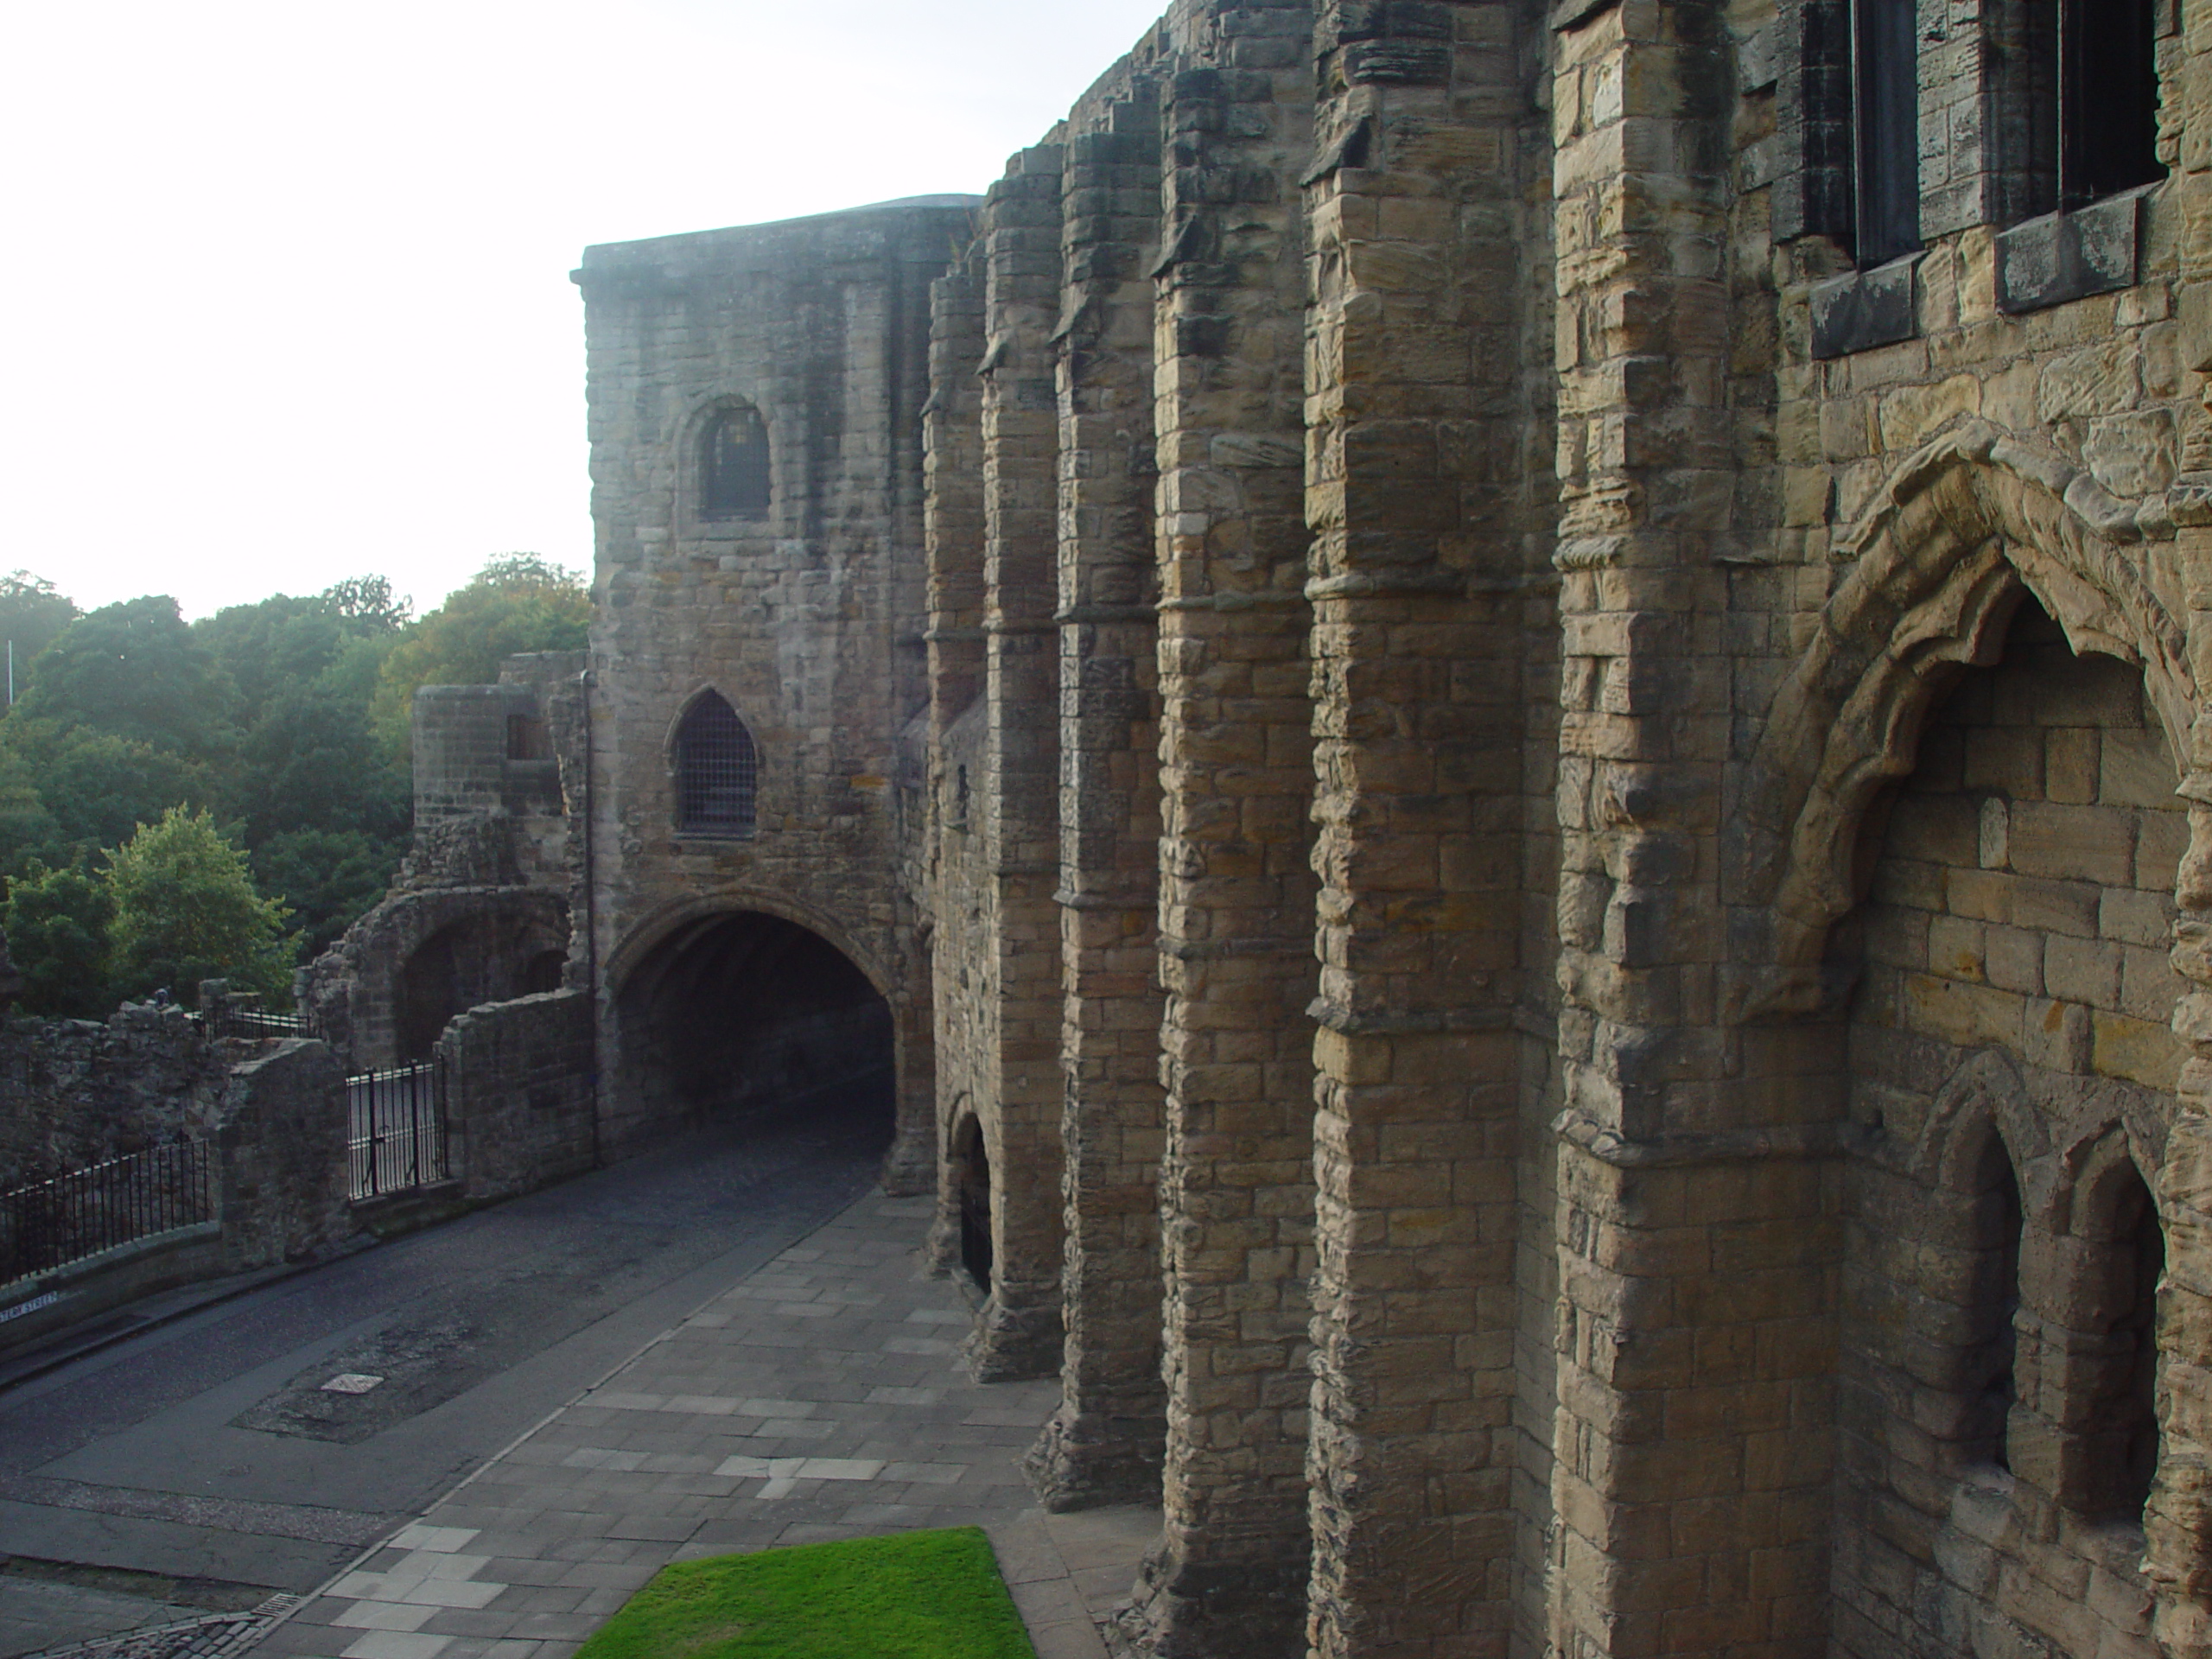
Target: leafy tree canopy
{"type": "Point", "coordinates": [97, 788]}
{"type": "Point", "coordinates": [286, 719]}
{"type": "Point", "coordinates": [32, 613]}
{"type": "Point", "coordinates": [327, 877]}
{"type": "Point", "coordinates": [278, 646]}
{"type": "Point", "coordinates": [57, 924]}
{"type": "Point", "coordinates": [133, 670]}
{"type": "Point", "coordinates": [515, 603]}
{"type": "Point", "coordinates": [185, 910]}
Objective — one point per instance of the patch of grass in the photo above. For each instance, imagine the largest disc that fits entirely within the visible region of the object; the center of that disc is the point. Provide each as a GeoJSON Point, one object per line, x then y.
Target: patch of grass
{"type": "Point", "coordinates": [914, 1595]}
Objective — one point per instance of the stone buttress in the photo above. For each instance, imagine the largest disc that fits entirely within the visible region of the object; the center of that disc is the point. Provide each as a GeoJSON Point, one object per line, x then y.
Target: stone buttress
{"type": "Point", "coordinates": [1236, 899]}
{"type": "Point", "coordinates": [1105, 1441]}
{"type": "Point", "coordinates": [1416, 496]}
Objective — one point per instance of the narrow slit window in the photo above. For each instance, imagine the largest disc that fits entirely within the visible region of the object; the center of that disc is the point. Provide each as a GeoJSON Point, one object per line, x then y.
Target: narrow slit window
{"type": "Point", "coordinates": [1885, 124]}
{"type": "Point", "coordinates": [1992, 1356]}
{"type": "Point", "coordinates": [734, 465]}
{"type": "Point", "coordinates": [2142, 1244]}
{"type": "Point", "coordinates": [717, 770]}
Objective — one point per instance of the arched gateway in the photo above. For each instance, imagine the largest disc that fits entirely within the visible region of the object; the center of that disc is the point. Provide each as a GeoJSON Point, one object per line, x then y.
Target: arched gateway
{"type": "Point", "coordinates": [717, 1011]}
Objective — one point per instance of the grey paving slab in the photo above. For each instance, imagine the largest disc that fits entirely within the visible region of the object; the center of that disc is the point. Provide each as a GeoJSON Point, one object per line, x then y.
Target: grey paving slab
{"type": "Point", "coordinates": [821, 1397]}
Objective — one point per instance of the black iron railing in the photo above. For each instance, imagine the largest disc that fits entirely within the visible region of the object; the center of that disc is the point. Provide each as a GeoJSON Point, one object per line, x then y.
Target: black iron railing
{"type": "Point", "coordinates": [232, 1018]}
{"type": "Point", "coordinates": [51, 1223]}
{"type": "Point", "coordinates": [396, 1129]}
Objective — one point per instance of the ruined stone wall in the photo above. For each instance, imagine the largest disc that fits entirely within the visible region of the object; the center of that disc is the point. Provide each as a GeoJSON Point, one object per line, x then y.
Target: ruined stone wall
{"type": "Point", "coordinates": [805, 615]}
{"type": "Point", "coordinates": [76, 1092]}
{"type": "Point", "coordinates": [950, 873]}
{"type": "Point", "coordinates": [283, 1160]}
{"type": "Point", "coordinates": [1426, 488]}
{"type": "Point", "coordinates": [520, 1093]}
{"type": "Point", "coordinates": [1331, 308]}
{"type": "Point", "coordinates": [479, 911]}
{"type": "Point", "coordinates": [2016, 985]}
{"type": "Point", "coordinates": [381, 994]}
{"type": "Point", "coordinates": [1107, 1437]}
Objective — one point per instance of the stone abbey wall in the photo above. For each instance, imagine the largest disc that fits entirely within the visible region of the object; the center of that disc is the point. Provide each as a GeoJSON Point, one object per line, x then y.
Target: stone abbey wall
{"type": "Point", "coordinates": [1538, 860]}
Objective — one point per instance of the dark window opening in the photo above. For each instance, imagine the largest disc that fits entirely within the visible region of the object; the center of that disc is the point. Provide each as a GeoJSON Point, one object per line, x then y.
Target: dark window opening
{"type": "Point", "coordinates": [2141, 1243]}
{"type": "Point", "coordinates": [527, 738]}
{"type": "Point", "coordinates": [1991, 1355]}
{"type": "Point", "coordinates": [974, 1167]}
{"type": "Point", "coordinates": [2107, 99]}
{"type": "Point", "coordinates": [717, 770]}
{"type": "Point", "coordinates": [1885, 124]}
{"type": "Point", "coordinates": [544, 973]}
{"type": "Point", "coordinates": [2115, 1359]}
{"type": "Point", "coordinates": [2082, 98]}
{"type": "Point", "coordinates": [733, 466]}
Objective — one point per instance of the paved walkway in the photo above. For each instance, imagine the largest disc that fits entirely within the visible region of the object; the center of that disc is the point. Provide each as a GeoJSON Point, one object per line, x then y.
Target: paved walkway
{"type": "Point", "coordinates": [822, 1397]}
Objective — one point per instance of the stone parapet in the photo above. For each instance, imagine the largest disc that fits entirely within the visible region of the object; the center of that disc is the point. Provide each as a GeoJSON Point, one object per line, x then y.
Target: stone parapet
{"type": "Point", "coordinates": [521, 1094]}
{"type": "Point", "coordinates": [284, 1157]}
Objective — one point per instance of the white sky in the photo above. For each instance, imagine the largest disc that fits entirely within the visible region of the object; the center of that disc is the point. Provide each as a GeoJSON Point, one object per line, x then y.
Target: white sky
{"type": "Point", "coordinates": [289, 280]}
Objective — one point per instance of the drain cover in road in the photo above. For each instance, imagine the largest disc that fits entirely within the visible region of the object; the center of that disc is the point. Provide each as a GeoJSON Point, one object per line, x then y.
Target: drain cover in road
{"type": "Point", "coordinates": [351, 1383]}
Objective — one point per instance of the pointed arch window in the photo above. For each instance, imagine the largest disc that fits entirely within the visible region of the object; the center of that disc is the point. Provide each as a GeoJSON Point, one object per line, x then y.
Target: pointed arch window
{"type": "Point", "coordinates": [717, 770]}
{"type": "Point", "coordinates": [733, 464]}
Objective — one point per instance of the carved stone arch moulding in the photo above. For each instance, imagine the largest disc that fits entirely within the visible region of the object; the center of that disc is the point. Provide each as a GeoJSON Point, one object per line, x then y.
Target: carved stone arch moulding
{"type": "Point", "coordinates": [1969, 523]}
{"type": "Point", "coordinates": [1985, 1090]}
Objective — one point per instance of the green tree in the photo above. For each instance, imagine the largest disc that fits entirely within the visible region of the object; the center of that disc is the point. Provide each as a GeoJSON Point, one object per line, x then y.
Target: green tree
{"type": "Point", "coordinates": [58, 923]}
{"type": "Point", "coordinates": [133, 670]}
{"type": "Point", "coordinates": [97, 787]}
{"type": "Point", "coordinates": [276, 647]}
{"type": "Point", "coordinates": [185, 910]}
{"type": "Point", "coordinates": [329, 879]}
{"type": "Point", "coordinates": [518, 602]}
{"type": "Point", "coordinates": [32, 613]}
{"type": "Point", "coordinates": [26, 826]}
{"type": "Point", "coordinates": [310, 764]}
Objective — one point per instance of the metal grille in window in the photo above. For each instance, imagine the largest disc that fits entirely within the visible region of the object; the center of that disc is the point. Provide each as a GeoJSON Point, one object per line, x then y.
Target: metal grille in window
{"type": "Point", "coordinates": [734, 470]}
{"type": "Point", "coordinates": [717, 771]}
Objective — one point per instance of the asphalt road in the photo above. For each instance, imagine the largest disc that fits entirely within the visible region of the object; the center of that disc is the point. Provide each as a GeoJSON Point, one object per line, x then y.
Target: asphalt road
{"type": "Point", "coordinates": [203, 1466]}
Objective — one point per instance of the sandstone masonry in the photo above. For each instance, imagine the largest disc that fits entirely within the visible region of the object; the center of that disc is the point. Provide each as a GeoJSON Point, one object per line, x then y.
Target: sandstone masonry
{"type": "Point", "coordinates": [1531, 861]}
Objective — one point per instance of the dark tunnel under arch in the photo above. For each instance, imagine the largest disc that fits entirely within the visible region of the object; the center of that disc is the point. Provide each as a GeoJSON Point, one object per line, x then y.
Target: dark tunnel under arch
{"type": "Point", "coordinates": [744, 1010]}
